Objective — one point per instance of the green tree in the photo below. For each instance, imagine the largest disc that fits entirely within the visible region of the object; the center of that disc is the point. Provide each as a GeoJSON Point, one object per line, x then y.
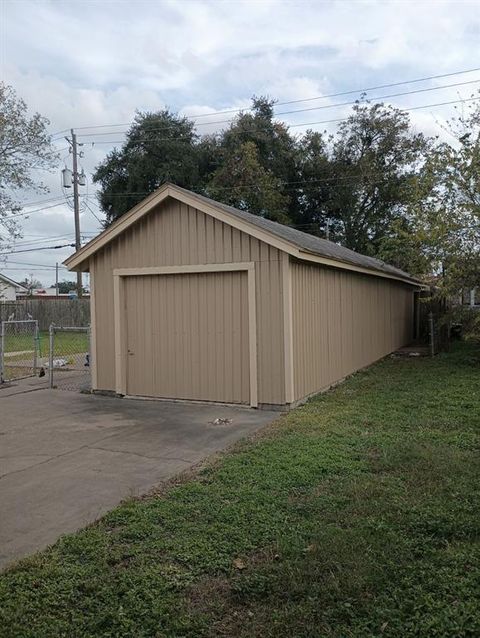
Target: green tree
{"type": "Point", "coordinates": [446, 222]}
{"type": "Point", "coordinates": [313, 188]}
{"type": "Point", "coordinates": [31, 283]}
{"type": "Point", "coordinates": [375, 157]}
{"type": "Point", "coordinates": [361, 182]}
{"type": "Point", "coordinates": [408, 245]}
{"type": "Point", "coordinates": [248, 165]}
{"type": "Point", "coordinates": [244, 183]}
{"type": "Point", "coordinates": [255, 135]}
{"type": "Point", "coordinates": [440, 237]}
{"type": "Point", "coordinates": [65, 286]}
{"type": "Point", "coordinates": [25, 146]}
{"type": "Point", "coordinates": [159, 147]}
{"type": "Point", "coordinates": [458, 166]}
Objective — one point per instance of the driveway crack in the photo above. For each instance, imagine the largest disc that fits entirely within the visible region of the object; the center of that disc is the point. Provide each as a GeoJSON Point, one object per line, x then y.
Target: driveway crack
{"type": "Point", "coordinates": [50, 458]}
{"type": "Point", "coordinates": [57, 456]}
{"type": "Point", "coordinates": [144, 456]}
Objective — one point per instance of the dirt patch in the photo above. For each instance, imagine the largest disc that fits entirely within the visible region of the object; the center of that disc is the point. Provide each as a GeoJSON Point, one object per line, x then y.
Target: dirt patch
{"type": "Point", "coordinates": [221, 597]}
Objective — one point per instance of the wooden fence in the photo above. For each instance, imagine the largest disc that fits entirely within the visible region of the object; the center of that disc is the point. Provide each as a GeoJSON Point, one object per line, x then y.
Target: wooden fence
{"type": "Point", "coordinates": [61, 312]}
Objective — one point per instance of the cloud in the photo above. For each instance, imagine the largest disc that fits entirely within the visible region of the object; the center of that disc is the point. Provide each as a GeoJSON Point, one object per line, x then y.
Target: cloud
{"type": "Point", "coordinates": [83, 64]}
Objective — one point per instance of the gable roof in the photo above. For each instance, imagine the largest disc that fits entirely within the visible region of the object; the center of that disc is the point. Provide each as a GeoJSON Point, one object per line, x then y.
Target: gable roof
{"type": "Point", "coordinates": [11, 282]}
{"type": "Point", "coordinates": [299, 244]}
{"type": "Point", "coordinates": [311, 243]}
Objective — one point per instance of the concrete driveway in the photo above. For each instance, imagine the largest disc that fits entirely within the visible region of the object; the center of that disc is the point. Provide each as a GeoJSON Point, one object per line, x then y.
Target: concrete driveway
{"type": "Point", "coordinates": [67, 458]}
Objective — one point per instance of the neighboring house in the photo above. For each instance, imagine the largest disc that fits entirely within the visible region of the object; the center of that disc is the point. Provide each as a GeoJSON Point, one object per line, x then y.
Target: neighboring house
{"type": "Point", "coordinates": [51, 293]}
{"type": "Point", "coordinates": [9, 289]}
{"type": "Point", "coordinates": [39, 292]}
{"type": "Point", "coordinates": [471, 298]}
{"type": "Point", "coordinates": [192, 299]}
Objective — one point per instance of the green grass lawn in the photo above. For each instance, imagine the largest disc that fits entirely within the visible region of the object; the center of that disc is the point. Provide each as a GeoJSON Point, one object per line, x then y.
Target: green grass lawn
{"type": "Point", "coordinates": [65, 343]}
{"type": "Point", "coordinates": [357, 515]}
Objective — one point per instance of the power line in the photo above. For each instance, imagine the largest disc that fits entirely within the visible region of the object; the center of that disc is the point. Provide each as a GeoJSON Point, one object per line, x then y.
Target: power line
{"type": "Point", "coordinates": [34, 235]}
{"type": "Point", "coordinates": [46, 269]}
{"type": "Point", "coordinates": [41, 239]}
{"type": "Point", "coordinates": [30, 250]}
{"type": "Point", "coordinates": [64, 130]}
{"type": "Point", "coordinates": [18, 245]}
{"type": "Point", "coordinates": [297, 183]}
{"type": "Point", "coordinates": [93, 213]}
{"type": "Point", "coordinates": [40, 201]}
{"type": "Point", "coordinates": [382, 97]}
{"type": "Point", "coordinates": [332, 121]}
{"type": "Point", "coordinates": [312, 108]}
{"type": "Point", "coordinates": [37, 210]}
{"type": "Point", "coordinates": [349, 92]}
{"type": "Point", "coordinates": [319, 97]}
{"type": "Point", "coordinates": [47, 200]}
{"type": "Point", "coordinates": [28, 263]}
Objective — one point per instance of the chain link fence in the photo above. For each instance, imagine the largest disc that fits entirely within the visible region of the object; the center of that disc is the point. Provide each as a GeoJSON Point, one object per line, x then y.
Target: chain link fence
{"type": "Point", "coordinates": [19, 350]}
{"type": "Point", "coordinates": [69, 358]}
{"type": "Point", "coordinates": [439, 328]}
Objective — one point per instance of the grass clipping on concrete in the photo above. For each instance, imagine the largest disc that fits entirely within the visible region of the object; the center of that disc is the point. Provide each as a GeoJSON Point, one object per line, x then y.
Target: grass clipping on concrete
{"type": "Point", "coordinates": [356, 515]}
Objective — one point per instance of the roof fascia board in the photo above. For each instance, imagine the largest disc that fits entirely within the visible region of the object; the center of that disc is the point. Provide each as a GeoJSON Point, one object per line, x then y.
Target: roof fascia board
{"type": "Point", "coordinates": [335, 263]}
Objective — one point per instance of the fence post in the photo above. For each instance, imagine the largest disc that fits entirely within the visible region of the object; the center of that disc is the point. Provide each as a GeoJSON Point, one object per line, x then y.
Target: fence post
{"type": "Point", "coordinates": [35, 348]}
{"type": "Point", "coordinates": [2, 351]}
{"type": "Point", "coordinates": [50, 355]}
{"type": "Point", "coordinates": [432, 334]}
{"type": "Point", "coordinates": [89, 337]}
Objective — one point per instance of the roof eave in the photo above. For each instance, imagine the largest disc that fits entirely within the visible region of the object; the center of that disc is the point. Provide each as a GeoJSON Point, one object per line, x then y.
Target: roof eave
{"type": "Point", "coordinates": [79, 260]}
{"type": "Point", "coordinates": [340, 263]}
{"type": "Point", "coordinates": [11, 282]}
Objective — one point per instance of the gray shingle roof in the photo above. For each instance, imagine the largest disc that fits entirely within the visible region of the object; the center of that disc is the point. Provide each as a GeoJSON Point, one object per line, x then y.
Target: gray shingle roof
{"type": "Point", "coordinates": [304, 241]}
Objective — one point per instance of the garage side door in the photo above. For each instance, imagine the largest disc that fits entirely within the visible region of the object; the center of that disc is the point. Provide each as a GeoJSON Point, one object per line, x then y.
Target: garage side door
{"type": "Point", "coordinates": [187, 336]}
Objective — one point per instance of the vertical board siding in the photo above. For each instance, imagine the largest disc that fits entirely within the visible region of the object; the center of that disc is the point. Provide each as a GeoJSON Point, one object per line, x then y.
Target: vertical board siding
{"type": "Point", "coordinates": [342, 322]}
{"type": "Point", "coordinates": [176, 235]}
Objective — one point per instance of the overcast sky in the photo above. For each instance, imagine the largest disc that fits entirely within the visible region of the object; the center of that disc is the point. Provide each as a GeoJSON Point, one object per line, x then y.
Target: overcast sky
{"type": "Point", "coordinates": [89, 63]}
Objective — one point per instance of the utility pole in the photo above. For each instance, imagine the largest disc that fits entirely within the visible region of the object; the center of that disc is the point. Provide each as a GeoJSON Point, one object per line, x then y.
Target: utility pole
{"type": "Point", "coordinates": [76, 206]}
{"type": "Point", "coordinates": [56, 279]}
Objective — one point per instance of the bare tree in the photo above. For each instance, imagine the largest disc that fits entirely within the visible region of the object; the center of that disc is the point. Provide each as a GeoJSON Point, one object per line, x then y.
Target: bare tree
{"type": "Point", "coordinates": [25, 146]}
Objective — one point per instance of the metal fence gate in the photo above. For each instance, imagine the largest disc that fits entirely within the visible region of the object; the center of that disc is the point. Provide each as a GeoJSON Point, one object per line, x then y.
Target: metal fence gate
{"type": "Point", "coordinates": [69, 360]}
{"type": "Point", "coordinates": [19, 349]}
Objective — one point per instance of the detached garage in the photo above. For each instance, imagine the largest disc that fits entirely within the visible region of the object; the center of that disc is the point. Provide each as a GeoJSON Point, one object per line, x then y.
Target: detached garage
{"type": "Point", "coordinates": [192, 299]}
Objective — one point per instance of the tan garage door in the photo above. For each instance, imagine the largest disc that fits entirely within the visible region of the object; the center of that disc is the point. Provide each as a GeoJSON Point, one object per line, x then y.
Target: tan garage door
{"type": "Point", "coordinates": [187, 336]}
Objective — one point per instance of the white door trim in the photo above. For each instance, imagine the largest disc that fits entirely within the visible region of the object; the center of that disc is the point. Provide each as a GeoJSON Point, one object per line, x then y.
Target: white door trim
{"type": "Point", "coordinates": [119, 275]}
